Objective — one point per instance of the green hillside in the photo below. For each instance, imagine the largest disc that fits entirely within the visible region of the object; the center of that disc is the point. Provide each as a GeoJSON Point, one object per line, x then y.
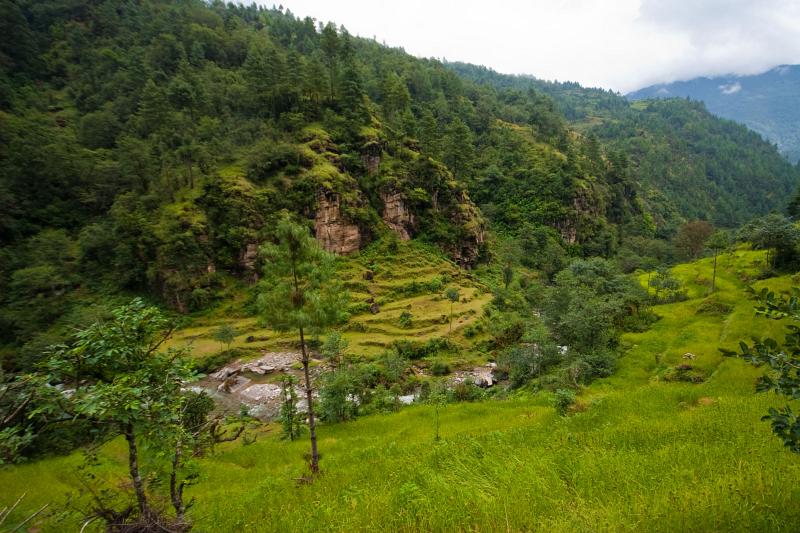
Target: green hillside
{"type": "Point", "coordinates": [765, 102]}
{"type": "Point", "coordinates": [636, 452]}
{"type": "Point", "coordinates": [689, 163]}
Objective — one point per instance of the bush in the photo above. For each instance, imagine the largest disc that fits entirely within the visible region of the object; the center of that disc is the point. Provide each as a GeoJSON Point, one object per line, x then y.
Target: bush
{"type": "Point", "coordinates": [417, 350]}
{"type": "Point", "coordinates": [405, 320]}
{"type": "Point", "coordinates": [563, 399]}
{"type": "Point", "coordinates": [684, 372]}
{"type": "Point", "coordinates": [599, 364]}
{"type": "Point", "coordinates": [440, 368]}
{"type": "Point", "coordinates": [713, 306]}
{"type": "Point", "coordinates": [465, 391]}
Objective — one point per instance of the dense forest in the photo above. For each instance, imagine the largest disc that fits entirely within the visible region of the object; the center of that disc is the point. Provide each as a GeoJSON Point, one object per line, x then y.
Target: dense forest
{"type": "Point", "coordinates": [766, 102]}
{"type": "Point", "coordinates": [688, 163]}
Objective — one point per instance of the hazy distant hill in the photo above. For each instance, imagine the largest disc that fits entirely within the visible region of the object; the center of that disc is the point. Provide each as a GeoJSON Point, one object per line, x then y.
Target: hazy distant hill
{"type": "Point", "coordinates": [769, 103]}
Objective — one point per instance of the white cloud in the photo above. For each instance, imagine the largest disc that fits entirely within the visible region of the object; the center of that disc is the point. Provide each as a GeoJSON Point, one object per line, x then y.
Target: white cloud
{"type": "Point", "coordinates": [619, 44]}
{"type": "Point", "coordinates": [731, 88]}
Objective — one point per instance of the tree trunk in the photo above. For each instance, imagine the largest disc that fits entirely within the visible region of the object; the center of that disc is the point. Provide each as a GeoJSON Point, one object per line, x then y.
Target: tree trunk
{"type": "Point", "coordinates": [714, 276]}
{"type": "Point", "coordinates": [309, 398]}
{"type": "Point", "coordinates": [133, 466]}
{"type": "Point", "coordinates": [175, 487]}
{"type": "Point", "coordinates": [451, 319]}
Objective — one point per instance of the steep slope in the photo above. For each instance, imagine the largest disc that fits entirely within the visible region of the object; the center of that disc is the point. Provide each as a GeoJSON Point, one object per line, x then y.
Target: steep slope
{"type": "Point", "coordinates": [688, 163]}
{"type": "Point", "coordinates": [768, 103]}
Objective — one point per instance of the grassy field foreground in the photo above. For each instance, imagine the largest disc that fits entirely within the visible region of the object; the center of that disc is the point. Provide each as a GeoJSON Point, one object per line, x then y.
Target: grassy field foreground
{"type": "Point", "coordinates": [638, 454]}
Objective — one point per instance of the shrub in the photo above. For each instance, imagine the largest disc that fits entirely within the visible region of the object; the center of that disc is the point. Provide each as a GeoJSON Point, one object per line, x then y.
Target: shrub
{"type": "Point", "coordinates": [405, 320]}
{"type": "Point", "coordinates": [416, 350]}
{"type": "Point", "coordinates": [563, 399]}
{"type": "Point", "coordinates": [684, 372]}
{"type": "Point", "coordinates": [440, 368]}
{"type": "Point", "coordinates": [713, 306]}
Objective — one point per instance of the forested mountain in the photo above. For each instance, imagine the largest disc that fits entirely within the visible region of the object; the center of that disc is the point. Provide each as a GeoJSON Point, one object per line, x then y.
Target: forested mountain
{"type": "Point", "coordinates": [151, 146]}
{"type": "Point", "coordinates": [689, 163]}
{"type": "Point", "coordinates": [768, 103]}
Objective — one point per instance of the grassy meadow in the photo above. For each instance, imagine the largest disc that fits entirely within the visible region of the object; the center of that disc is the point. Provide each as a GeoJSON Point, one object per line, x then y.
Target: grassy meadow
{"type": "Point", "coordinates": [638, 452]}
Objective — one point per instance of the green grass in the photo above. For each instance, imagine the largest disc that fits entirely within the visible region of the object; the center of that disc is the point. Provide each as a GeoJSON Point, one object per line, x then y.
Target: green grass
{"type": "Point", "coordinates": [637, 454]}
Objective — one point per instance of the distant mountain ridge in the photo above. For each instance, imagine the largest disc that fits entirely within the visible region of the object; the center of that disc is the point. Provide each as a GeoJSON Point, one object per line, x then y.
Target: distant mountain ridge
{"type": "Point", "coordinates": [768, 103]}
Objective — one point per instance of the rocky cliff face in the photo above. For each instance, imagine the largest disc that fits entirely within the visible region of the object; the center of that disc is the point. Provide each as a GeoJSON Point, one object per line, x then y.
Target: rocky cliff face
{"type": "Point", "coordinates": [332, 229]}
{"type": "Point", "coordinates": [587, 210]}
{"type": "Point", "coordinates": [371, 156]}
{"type": "Point", "coordinates": [468, 249]}
{"type": "Point", "coordinates": [397, 215]}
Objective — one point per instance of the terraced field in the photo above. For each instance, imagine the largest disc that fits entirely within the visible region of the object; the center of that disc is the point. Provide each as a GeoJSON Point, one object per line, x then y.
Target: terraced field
{"type": "Point", "coordinates": [410, 280]}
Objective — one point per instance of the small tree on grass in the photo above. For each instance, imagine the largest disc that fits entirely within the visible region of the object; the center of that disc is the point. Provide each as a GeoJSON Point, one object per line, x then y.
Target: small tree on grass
{"type": "Point", "coordinates": [666, 282]}
{"type": "Point", "coordinates": [333, 349]}
{"type": "Point", "coordinates": [299, 293]}
{"type": "Point", "coordinates": [453, 295]}
{"type": "Point", "coordinates": [438, 398]}
{"type": "Point", "coordinates": [782, 361]}
{"type": "Point", "coordinates": [225, 334]}
{"type": "Point", "coordinates": [291, 419]}
{"type": "Point", "coordinates": [128, 383]}
{"type": "Point", "coordinates": [717, 243]}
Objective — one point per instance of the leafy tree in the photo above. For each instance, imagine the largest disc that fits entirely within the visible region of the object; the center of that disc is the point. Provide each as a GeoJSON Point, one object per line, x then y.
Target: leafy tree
{"type": "Point", "coordinates": [437, 398]}
{"type": "Point", "coordinates": [225, 334]}
{"type": "Point", "coordinates": [776, 234]}
{"type": "Point", "coordinates": [666, 282]}
{"type": "Point", "coordinates": [692, 237]}
{"type": "Point", "coordinates": [299, 293]}
{"type": "Point", "coordinates": [453, 295]}
{"type": "Point", "coordinates": [334, 349]}
{"type": "Point", "coordinates": [122, 378]}
{"type": "Point", "coordinates": [782, 360]}
{"type": "Point", "coordinates": [340, 395]}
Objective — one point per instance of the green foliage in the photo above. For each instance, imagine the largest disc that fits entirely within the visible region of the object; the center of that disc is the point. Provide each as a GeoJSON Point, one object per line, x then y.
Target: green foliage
{"type": "Point", "coordinates": [667, 286]}
{"type": "Point", "coordinates": [406, 319]}
{"type": "Point", "coordinates": [782, 360]}
{"type": "Point", "coordinates": [591, 303]}
{"type": "Point", "coordinates": [225, 334]}
{"type": "Point", "coordinates": [334, 348]}
{"type": "Point", "coordinates": [776, 234]}
{"type": "Point", "coordinates": [290, 418]}
{"type": "Point", "coordinates": [440, 367]}
{"type": "Point", "coordinates": [414, 350]}
{"type": "Point", "coordinates": [299, 290]}
{"type": "Point", "coordinates": [563, 400]}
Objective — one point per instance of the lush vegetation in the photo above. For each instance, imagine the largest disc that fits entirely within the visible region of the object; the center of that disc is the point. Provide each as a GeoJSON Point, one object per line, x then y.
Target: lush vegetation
{"type": "Point", "coordinates": [637, 450]}
{"type": "Point", "coordinates": [766, 102]}
{"type": "Point", "coordinates": [688, 163]}
{"type": "Point", "coordinates": [500, 323]}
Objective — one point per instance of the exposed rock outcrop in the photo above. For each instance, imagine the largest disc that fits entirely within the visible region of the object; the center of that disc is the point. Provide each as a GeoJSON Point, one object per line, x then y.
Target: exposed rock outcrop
{"type": "Point", "coordinates": [332, 229]}
{"type": "Point", "coordinates": [587, 210]}
{"type": "Point", "coordinates": [371, 156]}
{"type": "Point", "coordinates": [397, 216]}
{"type": "Point", "coordinates": [469, 247]}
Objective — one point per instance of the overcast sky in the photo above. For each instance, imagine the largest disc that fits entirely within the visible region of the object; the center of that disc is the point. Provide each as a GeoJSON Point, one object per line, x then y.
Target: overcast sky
{"type": "Point", "coordinates": [617, 44]}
